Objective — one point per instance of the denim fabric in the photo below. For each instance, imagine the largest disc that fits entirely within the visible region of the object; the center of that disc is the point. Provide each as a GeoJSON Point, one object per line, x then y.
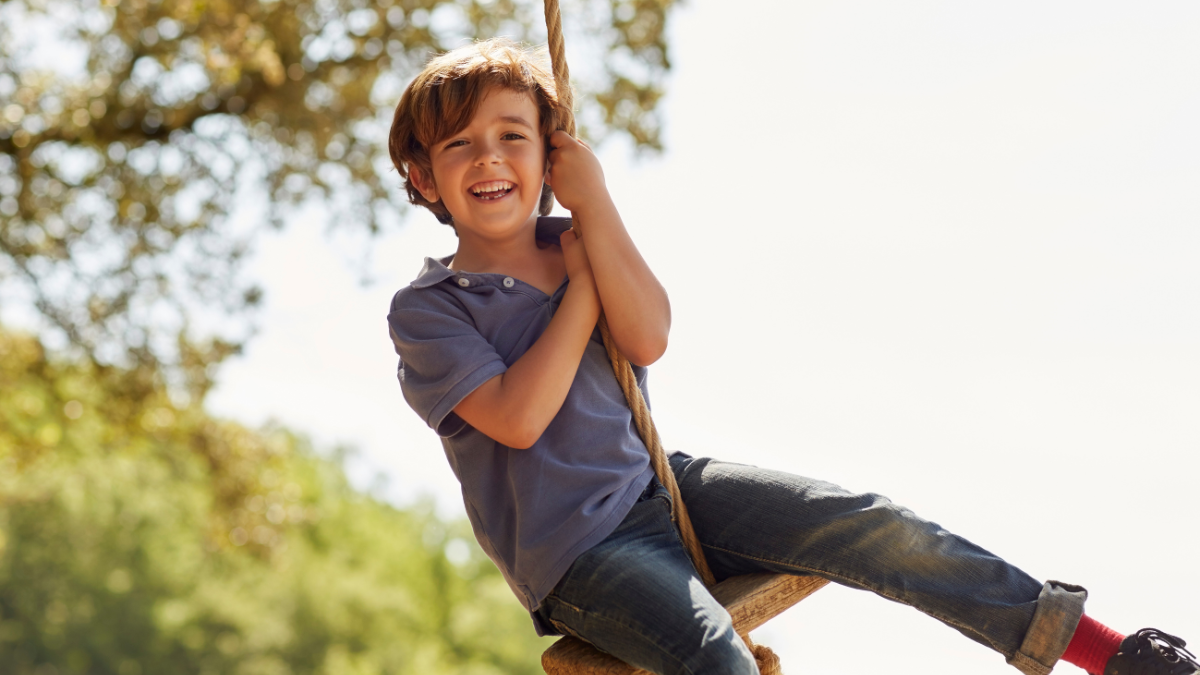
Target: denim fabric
{"type": "Point", "coordinates": [636, 594]}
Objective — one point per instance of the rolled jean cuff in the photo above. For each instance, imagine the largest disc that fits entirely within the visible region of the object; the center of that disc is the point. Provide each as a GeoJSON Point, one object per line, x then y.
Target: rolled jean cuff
{"type": "Point", "coordinates": [1059, 608]}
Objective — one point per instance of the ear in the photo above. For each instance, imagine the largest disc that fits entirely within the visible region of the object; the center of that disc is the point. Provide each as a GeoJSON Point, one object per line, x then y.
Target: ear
{"type": "Point", "coordinates": [423, 183]}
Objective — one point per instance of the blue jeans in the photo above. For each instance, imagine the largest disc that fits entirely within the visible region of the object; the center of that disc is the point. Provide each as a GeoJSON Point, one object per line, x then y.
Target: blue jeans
{"type": "Point", "coordinates": [636, 594]}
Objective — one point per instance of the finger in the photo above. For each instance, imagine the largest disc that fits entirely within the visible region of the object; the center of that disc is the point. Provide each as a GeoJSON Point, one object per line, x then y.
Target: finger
{"type": "Point", "coordinates": [560, 139]}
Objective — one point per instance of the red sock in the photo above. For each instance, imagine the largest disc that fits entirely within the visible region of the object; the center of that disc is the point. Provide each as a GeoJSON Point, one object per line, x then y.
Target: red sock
{"type": "Point", "coordinates": [1092, 645]}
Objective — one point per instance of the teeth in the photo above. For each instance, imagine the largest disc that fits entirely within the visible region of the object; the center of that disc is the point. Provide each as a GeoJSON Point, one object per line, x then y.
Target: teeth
{"type": "Point", "coordinates": [491, 186]}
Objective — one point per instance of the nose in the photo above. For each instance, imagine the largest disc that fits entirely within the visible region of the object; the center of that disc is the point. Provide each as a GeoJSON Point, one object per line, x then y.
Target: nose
{"type": "Point", "coordinates": [488, 152]}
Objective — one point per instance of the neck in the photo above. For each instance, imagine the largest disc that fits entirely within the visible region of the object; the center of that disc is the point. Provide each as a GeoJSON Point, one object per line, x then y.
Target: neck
{"type": "Point", "coordinates": [506, 254]}
{"type": "Point", "coordinates": [519, 256]}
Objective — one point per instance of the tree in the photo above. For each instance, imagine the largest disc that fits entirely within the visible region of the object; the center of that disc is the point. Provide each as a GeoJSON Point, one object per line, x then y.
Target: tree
{"type": "Point", "coordinates": [131, 131]}
{"type": "Point", "coordinates": [156, 539]}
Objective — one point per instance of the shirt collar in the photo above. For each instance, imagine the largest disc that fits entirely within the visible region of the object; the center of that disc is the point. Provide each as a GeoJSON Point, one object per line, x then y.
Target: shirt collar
{"type": "Point", "coordinates": [434, 272]}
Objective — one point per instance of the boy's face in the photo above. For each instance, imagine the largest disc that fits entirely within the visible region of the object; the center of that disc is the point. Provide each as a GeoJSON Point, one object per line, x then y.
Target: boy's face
{"type": "Point", "coordinates": [489, 175]}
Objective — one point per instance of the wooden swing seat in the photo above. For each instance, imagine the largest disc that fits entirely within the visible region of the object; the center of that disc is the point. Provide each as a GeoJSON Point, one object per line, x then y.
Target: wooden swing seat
{"type": "Point", "coordinates": [751, 600]}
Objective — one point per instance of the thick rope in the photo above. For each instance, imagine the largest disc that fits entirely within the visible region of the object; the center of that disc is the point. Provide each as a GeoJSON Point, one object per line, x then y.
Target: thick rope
{"type": "Point", "coordinates": [621, 367]}
{"type": "Point", "coordinates": [558, 62]}
{"type": "Point", "coordinates": [658, 457]}
{"type": "Point", "coordinates": [768, 662]}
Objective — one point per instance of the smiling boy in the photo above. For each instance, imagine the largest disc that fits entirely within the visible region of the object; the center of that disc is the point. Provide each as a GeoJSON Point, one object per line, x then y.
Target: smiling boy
{"type": "Point", "coordinates": [500, 356]}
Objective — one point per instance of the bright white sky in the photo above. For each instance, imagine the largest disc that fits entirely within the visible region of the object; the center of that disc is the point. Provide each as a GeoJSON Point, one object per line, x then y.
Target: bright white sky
{"type": "Point", "coordinates": [942, 251]}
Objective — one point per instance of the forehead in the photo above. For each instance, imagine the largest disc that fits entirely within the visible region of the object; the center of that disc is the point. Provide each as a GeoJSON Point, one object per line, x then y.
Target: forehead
{"type": "Point", "coordinates": [500, 104]}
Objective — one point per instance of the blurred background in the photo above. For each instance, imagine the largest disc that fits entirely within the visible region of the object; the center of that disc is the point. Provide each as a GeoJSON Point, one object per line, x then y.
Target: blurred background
{"type": "Point", "coordinates": [944, 252]}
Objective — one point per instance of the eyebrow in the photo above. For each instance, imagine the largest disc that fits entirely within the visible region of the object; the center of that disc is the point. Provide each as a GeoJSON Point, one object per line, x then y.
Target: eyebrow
{"type": "Point", "coordinates": [514, 119]}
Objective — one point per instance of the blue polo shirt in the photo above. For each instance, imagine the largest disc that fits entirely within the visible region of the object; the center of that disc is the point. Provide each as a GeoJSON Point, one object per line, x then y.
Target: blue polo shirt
{"type": "Point", "coordinates": [534, 510]}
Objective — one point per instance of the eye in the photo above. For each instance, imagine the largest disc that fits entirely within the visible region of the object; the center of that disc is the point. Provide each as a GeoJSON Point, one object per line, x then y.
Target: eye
{"type": "Point", "coordinates": [512, 136]}
{"type": "Point", "coordinates": [455, 143]}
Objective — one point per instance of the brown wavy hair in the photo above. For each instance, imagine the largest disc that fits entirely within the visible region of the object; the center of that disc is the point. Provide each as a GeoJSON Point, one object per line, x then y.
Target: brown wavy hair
{"type": "Point", "coordinates": [441, 101]}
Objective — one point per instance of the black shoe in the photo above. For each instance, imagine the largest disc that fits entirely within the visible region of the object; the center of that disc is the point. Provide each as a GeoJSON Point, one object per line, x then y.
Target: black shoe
{"type": "Point", "coordinates": [1152, 652]}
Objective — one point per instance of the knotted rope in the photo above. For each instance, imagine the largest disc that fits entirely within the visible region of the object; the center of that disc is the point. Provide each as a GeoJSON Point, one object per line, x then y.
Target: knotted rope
{"type": "Point", "coordinates": [768, 662]}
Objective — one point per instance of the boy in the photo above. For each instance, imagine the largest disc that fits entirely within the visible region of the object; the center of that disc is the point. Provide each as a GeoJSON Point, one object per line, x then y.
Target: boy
{"type": "Point", "coordinates": [499, 355]}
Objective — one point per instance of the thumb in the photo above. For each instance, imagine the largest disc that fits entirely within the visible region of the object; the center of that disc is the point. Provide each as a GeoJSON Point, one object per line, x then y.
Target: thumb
{"type": "Point", "coordinates": [561, 138]}
{"type": "Point", "coordinates": [568, 238]}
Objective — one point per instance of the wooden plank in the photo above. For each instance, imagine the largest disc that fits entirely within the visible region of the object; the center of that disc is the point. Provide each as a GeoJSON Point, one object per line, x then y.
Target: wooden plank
{"type": "Point", "coordinates": [751, 600]}
{"type": "Point", "coordinates": [572, 656]}
{"type": "Point", "coordinates": [754, 599]}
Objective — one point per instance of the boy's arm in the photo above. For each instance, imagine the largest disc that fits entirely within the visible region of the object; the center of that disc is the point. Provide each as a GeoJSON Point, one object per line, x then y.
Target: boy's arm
{"type": "Point", "coordinates": [635, 303]}
{"type": "Point", "coordinates": [514, 408]}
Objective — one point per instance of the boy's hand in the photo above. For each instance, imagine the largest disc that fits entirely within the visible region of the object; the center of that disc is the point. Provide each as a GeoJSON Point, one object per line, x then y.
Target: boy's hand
{"type": "Point", "coordinates": [575, 173]}
{"type": "Point", "coordinates": [515, 407]}
{"type": "Point", "coordinates": [639, 314]}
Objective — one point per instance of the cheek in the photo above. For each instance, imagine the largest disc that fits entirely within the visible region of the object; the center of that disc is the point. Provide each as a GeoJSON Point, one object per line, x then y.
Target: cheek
{"type": "Point", "coordinates": [537, 162]}
{"type": "Point", "coordinates": [444, 172]}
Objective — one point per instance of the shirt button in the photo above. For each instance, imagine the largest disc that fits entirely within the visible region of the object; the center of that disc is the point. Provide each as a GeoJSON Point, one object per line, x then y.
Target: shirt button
{"type": "Point", "coordinates": [508, 282]}
{"type": "Point", "coordinates": [464, 282]}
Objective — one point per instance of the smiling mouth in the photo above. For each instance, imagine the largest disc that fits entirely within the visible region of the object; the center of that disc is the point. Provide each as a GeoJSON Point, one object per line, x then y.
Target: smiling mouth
{"type": "Point", "coordinates": [491, 190]}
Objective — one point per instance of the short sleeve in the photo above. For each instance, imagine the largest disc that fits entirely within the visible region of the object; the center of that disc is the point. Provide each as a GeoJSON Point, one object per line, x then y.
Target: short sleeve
{"type": "Point", "coordinates": [443, 357]}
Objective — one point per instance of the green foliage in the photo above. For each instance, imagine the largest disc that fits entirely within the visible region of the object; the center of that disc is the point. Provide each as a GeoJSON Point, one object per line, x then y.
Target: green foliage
{"type": "Point", "coordinates": [130, 130]}
{"type": "Point", "coordinates": [139, 539]}
{"type": "Point", "coordinates": [138, 534]}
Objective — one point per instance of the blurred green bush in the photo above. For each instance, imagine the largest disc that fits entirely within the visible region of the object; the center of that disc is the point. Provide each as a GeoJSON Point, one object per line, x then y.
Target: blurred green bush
{"type": "Point", "coordinates": [146, 537]}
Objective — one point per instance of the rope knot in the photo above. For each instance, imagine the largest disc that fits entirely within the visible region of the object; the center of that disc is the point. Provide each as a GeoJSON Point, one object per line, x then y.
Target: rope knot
{"type": "Point", "coordinates": [768, 660]}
